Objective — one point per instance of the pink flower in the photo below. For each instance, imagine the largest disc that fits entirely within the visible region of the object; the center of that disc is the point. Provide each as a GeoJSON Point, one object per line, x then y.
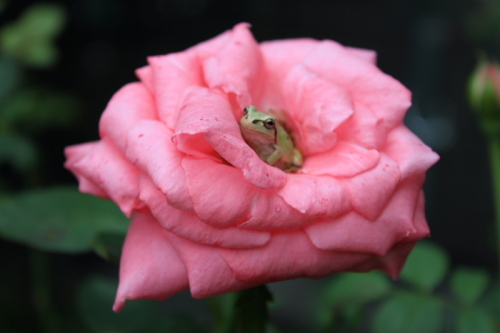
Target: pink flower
{"type": "Point", "coordinates": [209, 215]}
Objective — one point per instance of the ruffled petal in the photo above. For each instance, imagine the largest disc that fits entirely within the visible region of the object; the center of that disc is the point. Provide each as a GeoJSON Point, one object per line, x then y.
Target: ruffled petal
{"type": "Point", "coordinates": [344, 160]}
{"type": "Point", "coordinates": [384, 95]}
{"type": "Point", "coordinates": [221, 196]}
{"type": "Point", "coordinates": [105, 166]}
{"type": "Point", "coordinates": [149, 267]}
{"type": "Point", "coordinates": [188, 225]}
{"type": "Point", "coordinates": [129, 105]}
{"type": "Point", "coordinates": [73, 155]}
{"type": "Point", "coordinates": [288, 256]}
{"type": "Point", "coordinates": [173, 75]}
{"type": "Point", "coordinates": [269, 211]}
{"type": "Point", "coordinates": [316, 108]}
{"type": "Point", "coordinates": [208, 273]}
{"type": "Point", "coordinates": [236, 67]}
{"type": "Point", "coordinates": [206, 121]}
{"type": "Point", "coordinates": [150, 147]}
{"type": "Point", "coordinates": [369, 56]}
{"type": "Point", "coordinates": [279, 58]}
{"type": "Point", "coordinates": [354, 233]}
{"type": "Point", "coordinates": [370, 191]}
{"type": "Point", "coordinates": [412, 155]}
{"type": "Point", "coordinates": [315, 196]}
{"type": "Point", "coordinates": [363, 128]}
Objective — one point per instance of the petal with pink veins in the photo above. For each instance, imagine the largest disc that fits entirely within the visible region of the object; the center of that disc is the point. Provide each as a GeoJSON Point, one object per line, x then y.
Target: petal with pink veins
{"type": "Point", "coordinates": [132, 103]}
{"type": "Point", "coordinates": [288, 256]}
{"type": "Point", "coordinates": [315, 196]}
{"type": "Point", "coordinates": [370, 191]}
{"type": "Point", "coordinates": [412, 155]}
{"type": "Point", "coordinates": [316, 107]}
{"type": "Point", "coordinates": [188, 225]}
{"type": "Point", "coordinates": [236, 67]}
{"type": "Point", "coordinates": [150, 147]}
{"type": "Point", "coordinates": [105, 166]}
{"type": "Point", "coordinates": [208, 273]}
{"type": "Point", "coordinates": [173, 74]}
{"type": "Point", "coordinates": [205, 120]}
{"type": "Point", "coordinates": [344, 160]}
{"type": "Point", "coordinates": [384, 95]}
{"type": "Point", "coordinates": [149, 267]}
{"type": "Point", "coordinates": [354, 233]}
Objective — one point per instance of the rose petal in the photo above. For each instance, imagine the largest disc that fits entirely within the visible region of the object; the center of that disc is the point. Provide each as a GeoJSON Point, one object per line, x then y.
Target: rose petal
{"type": "Point", "coordinates": [236, 67]}
{"type": "Point", "coordinates": [317, 107]}
{"type": "Point", "coordinates": [174, 74]}
{"type": "Point", "coordinates": [269, 211]}
{"type": "Point", "coordinates": [344, 160]}
{"type": "Point", "coordinates": [363, 128]}
{"type": "Point", "coordinates": [206, 120]}
{"type": "Point", "coordinates": [150, 147]}
{"type": "Point", "coordinates": [279, 57]}
{"type": "Point", "coordinates": [363, 54]}
{"type": "Point", "coordinates": [207, 180]}
{"type": "Point", "coordinates": [412, 155]}
{"type": "Point", "coordinates": [149, 267]}
{"type": "Point", "coordinates": [105, 166]}
{"type": "Point", "coordinates": [384, 95]}
{"type": "Point", "coordinates": [315, 196]}
{"type": "Point", "coordinates": [208, 273]}
{"type": "Point", "coordinates": [130, 104]}
{"type": "Point", "coordinates": [145, 74]}
{"type": "Point", "coordinates": [287, 256]}
{"type": "Point", "coordinates": [370, 191]}
{"type": "Point", "coordinates": [73, 155]}
{"type": "Point", "coordinates": [189, 226]}
{"type": "Point", "coordinates": [354, 233]}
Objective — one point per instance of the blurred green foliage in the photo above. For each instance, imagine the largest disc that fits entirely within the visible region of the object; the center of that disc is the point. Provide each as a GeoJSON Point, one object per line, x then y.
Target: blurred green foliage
{"type": "Point", "coordinates": [428, 298]}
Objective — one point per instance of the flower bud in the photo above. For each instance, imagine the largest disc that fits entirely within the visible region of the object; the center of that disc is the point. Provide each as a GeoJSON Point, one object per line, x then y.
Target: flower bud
{"type": "Point", "coordinates": [484, 95]}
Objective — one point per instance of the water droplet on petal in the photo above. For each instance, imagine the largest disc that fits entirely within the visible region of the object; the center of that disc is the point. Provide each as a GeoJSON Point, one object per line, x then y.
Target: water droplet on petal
{"type": "Point", "coordinates": [278, 208]}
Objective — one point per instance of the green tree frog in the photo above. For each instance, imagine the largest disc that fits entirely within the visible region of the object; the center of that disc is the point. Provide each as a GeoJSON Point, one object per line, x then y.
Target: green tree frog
{"type": "Point", "coordinates": [270, 140]}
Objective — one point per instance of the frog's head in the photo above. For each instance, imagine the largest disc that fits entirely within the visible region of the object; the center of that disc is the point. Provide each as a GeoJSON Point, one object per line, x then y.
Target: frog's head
{"type": "Point", "coordinates": [259, 122]}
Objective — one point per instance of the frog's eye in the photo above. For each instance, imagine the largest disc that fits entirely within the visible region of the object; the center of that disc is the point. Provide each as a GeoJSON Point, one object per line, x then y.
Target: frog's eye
{"type": "Point", "coordinates": [269, 123]}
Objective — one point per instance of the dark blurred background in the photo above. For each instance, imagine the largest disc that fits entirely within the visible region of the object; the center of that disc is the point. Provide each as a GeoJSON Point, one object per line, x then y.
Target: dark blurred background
{"type": "Point", "coordinates": [431, 46]}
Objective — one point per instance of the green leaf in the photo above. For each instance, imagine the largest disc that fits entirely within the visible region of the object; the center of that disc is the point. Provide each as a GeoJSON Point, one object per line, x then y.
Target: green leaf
{"type": "Point", "coordinates": [349, 290]}
{"type": "Point", "coordinates": [9, 76]}
{"type": "Point", "coordinates": [59, 219]}
{"type": "Point", "coordinates": [426, 266]}
{"type": "Point", "coordinates": [95, 299]}
{"type": "Point", "coordinates": [410, 313]}
{"type": "Point", "coordinates": [43, 20]}
{"type": "Point", "coordinates": [474, 320]}
{"type": "Point", "coordinates": [469, 284]}
{"type": "Point", "coordinates": [34, 109]}
{"type": "Point", "coordinates": [18, 151]}
{"type": "Point", "coordinates": [30, 40]}
{"type": "Point", "coordinates": [250, 312]}
{"type": "Point", "coordinates": [109, 246]}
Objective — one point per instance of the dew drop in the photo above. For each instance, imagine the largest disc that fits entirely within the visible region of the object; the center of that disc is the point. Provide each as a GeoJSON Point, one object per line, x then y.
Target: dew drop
{"type": "Point", "coordinates": [278, 208]}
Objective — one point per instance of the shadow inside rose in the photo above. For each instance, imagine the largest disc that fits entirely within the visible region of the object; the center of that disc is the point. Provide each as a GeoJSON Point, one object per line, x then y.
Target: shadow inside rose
{"type": "Point", "coordinates": [209, 215]}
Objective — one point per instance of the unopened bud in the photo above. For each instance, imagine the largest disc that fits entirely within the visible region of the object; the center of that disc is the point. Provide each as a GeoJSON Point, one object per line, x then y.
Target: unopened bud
{"type": "Point", "coordinates": [484, 95]}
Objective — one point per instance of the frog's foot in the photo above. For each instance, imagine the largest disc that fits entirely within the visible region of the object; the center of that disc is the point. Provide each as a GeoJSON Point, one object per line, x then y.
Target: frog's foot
{"type": "Point", "coordinates": [275, 156]}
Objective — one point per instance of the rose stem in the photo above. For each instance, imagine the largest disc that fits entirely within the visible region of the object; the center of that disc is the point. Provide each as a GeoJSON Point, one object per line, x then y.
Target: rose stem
{"type": "Point", "coordinates": [495, 173]}
{"type": "Point", "coordinates": [39, 267]}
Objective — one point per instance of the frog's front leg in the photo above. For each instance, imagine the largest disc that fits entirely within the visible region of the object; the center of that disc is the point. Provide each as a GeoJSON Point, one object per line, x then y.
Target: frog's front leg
{"type": "Point", "coordinates": [275, 155]}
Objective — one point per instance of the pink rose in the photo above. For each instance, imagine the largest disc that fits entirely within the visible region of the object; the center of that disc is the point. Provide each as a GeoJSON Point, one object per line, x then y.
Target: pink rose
{"type": "Point", "coordinates": [209, 215]}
